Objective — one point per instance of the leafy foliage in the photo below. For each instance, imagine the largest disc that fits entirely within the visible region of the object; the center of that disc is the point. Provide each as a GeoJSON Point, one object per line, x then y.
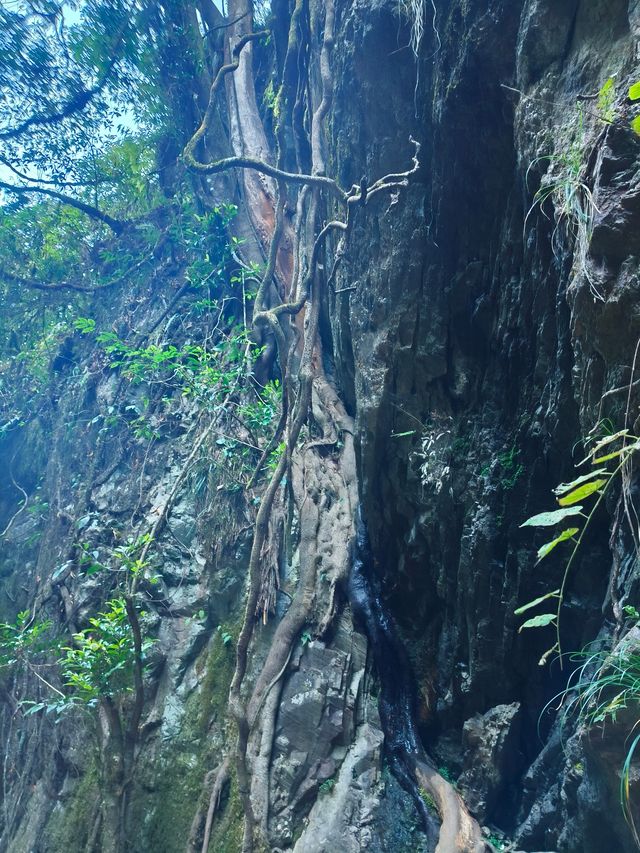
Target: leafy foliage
{"type": "Point", "coordinates": [549, 519]}
{"type": "Point", "coordinates": [564, 182]}
{"type": "Point", "coordinates": [101, 661]}
{"type": "Point", "coordinates": [23, 638]}
{"type": "Point", "coordinates": [564, 188]}
{"type": "Point", "coordinates": [615, 448]}
{"type": "Point", "coordinates": [606, 100]}
{"type": "Point", "coordinates": [327, 786]}
{"type": "Point", "coordinates": [603, 685]}
{"type": "Point", "coordinates": [67, 74]}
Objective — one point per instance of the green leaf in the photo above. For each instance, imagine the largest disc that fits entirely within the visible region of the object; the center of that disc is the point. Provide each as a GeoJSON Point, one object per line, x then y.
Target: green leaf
{"type": "Point", "coordinates": [607, 440]}
{"type": "Point", "coordinates": [634, 92]}
{"type": "Point", "coordinates": [548, 519]}
{"type": "Point", "coordinates": [85, 325]}
{"type": "Point", "coordinates": [628, 448]}
{"type": "Point", "coordinates": [403, 434]}
{"type": "Point", "coordinates": [608, 456]}
{"type": "Point", "coordinates": [536, 601]}
{"type": "Point", "coordinates": [631, 612]}
{"type": "Point", "coordinates": [582, 492]}
{"type": "Point", "coordinates": [635, 125]}
{"type": "Point", "coordinates": [549, 546]}
{"type": "Point", "coordinates": [566, 487]}
{"type": "Point", "coordinates": [538, 621]}
{"type": "Point", "coordinates": [35, 707]}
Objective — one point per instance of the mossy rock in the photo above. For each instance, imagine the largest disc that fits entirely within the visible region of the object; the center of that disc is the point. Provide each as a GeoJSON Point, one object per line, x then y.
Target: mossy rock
{"type": "Point", "coordinates": [69, 827]}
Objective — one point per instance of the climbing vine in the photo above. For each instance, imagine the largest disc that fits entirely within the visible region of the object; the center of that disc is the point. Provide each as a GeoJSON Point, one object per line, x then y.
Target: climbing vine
{"type": "Point", "coordinates": [308, 399]}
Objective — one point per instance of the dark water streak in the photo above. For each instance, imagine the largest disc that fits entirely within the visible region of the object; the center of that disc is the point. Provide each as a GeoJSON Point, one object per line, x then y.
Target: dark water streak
{"type": "Point", "coordinates": [396, 700]}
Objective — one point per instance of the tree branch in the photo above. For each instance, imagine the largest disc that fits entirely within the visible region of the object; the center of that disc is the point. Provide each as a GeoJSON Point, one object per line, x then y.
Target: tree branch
{"type": "Point", "coordinates": [75, 105]}
{"type": "Point", "coordinates": [11, 278]}
{"type": "Point", "coordinates": [116, 225]}
{"type": "Point", "coordinates": [190, 147]}
{"type": "Point", "coordinates": [268, 169]}
{"type": "Point", "coordinates": [24, 177]}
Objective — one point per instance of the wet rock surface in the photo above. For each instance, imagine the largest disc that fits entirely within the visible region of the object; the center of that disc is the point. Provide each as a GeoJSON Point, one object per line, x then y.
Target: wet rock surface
{"type": "Point", "coordinates": [317, 718]}
{"type": "Point", "coordinates": [491, 762]}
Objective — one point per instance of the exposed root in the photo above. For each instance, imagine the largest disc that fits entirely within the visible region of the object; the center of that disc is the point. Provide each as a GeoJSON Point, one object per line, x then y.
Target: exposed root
{"type": "Point", "coordinates": [262, 761]}
{"type": "Point", "coordinates": [222, 777]}
{"type": "Point", "coordinates": [459, 832]}
{"type": "Point", "coordinates": [270, 569]}
{"type": "Point", "coordinates": [323, 486]}
{"type": "Point", "coordinates": [96, 826]}
{"type": "Point", "coordinates": [190, 148]}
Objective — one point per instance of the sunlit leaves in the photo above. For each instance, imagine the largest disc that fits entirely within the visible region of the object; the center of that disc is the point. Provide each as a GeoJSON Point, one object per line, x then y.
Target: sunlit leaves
{"type": "Point", "coordinates": [582, 492]}
{"type": "Point", "coordinates": [100, 662]}
{"type": "Point", "coordinates": [591, 487]}
{"type": "Point", "coordinates": [540, 621]}
{"type": "Point", "coordinates": [548, 547]}
{"type": "Point", "coordinates": [101, 659]}
{"type": "Point", "coordinates": [634, 95]}
{"type": "Point", "coordinates": [25, 635]}
{"type": "Point", "coordinates": [549, 519]}
{"type": "Point", "coordinates": [563, 488]}
{"type": "Point", "coordinates": [536, 602]}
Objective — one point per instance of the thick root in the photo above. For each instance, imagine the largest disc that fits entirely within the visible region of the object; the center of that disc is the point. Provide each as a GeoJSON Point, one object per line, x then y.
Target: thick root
{"type": "Point", "coordinates": [459, 832]}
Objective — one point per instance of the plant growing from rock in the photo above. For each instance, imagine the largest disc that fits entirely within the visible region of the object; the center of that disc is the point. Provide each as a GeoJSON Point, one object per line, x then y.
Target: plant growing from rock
{"type": "Point", "coordinates": [604, 689]}
{"type": "Point", "coordinates": [608, 458]}
{"type": "Point", "coordinates": [565, 185]}
{"type": "Point", "coordinates": [606, 101]}
{"type": "Point", "coordinates": [22, 644]}
{"type": "Point", "coordinates": [294, 204]}
{"type": "Point", "coordinates": [308, 396]}
{"type": "Point", "coordinates": [634, 95]}
{"type": "Point", "coordinates": [100, 670]}
{"type": "Point", "coordinates": [327, 786]}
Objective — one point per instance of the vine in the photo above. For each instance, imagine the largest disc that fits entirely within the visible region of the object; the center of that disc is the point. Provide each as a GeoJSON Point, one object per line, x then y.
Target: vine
{"type": "Point", "coordinates": [570, 498]}
{"type": "Point", "coordinates": [311, 483]}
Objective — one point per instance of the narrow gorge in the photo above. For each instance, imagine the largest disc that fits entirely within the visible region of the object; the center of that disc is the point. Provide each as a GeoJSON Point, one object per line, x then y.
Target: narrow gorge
{"type": "Point", "coordinates": [319, 420]}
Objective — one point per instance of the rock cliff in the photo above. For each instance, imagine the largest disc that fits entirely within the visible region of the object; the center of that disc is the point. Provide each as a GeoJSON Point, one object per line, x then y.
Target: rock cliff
{"type": "Point", "coordinates": [483, 319]}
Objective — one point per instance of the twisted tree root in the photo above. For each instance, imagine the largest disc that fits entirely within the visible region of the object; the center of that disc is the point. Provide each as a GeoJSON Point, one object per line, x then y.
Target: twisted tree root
{"type": "Point", "coordinates": [459, 832]}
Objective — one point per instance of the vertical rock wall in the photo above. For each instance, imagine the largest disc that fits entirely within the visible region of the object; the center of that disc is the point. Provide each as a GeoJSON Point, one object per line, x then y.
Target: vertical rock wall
{"type": "Point", "coordinates": [479, 338]}
{"type": "Point", "coordinates": [476, 337]}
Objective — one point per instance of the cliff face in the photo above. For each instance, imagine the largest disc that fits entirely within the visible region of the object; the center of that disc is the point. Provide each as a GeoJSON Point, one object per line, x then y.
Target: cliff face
{"type": "Point", "coordinates": [485, 341]}
{"type": "Point", "coordinates": [473, 335]}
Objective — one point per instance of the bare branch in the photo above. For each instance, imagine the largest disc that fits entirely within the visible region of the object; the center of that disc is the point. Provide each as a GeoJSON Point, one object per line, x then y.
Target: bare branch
{"type": "Point", "coordinates": [190, 147]}
{"type": "Point", "coordinates": [267, 169]}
